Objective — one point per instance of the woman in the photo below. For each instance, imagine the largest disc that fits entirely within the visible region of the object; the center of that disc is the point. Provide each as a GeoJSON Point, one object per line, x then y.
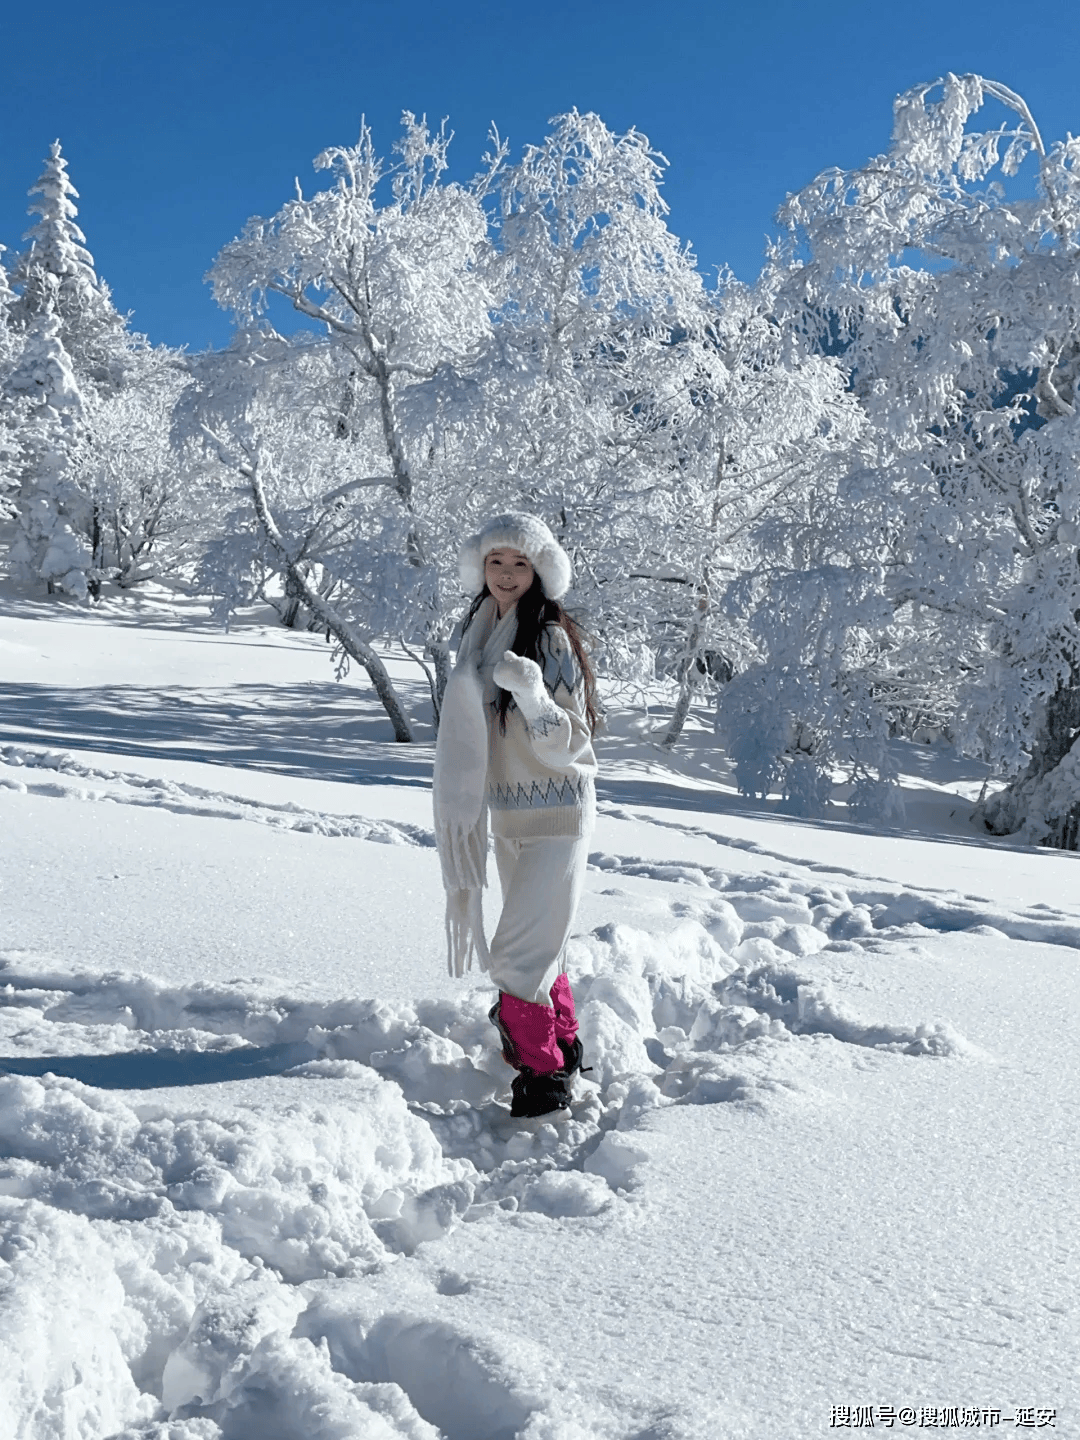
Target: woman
{"type": "Point", "coordinates": [515, 740]}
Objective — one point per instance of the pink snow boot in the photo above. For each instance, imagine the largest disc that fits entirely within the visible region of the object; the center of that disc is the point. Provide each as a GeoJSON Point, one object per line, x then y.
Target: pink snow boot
{"type": "Point", "coordinates": [540, 1042]}
{"type": "Point", "coordinates": [528, 1034]}
{"type": "Point", "coordinates": [566, 1026]}
{"type": "Point", "coordinates": [562, 998]}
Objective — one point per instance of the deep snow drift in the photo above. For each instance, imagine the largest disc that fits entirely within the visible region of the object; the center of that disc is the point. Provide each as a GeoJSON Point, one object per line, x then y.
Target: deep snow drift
{"type": "Point", "coordinates": [257, 1173]}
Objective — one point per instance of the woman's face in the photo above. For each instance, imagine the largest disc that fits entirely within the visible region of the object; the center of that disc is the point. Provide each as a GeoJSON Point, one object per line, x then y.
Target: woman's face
{"type": "Point", "coordinates": [508, 574]}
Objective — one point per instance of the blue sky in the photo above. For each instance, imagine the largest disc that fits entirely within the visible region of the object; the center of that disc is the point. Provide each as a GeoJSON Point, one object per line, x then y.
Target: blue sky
{"type": "Point", "coordinates": [181, 120]}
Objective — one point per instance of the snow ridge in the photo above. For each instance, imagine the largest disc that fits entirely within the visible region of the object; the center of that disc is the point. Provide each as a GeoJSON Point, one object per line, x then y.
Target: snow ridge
{"type": "Point", "coordinates": [887, 905]}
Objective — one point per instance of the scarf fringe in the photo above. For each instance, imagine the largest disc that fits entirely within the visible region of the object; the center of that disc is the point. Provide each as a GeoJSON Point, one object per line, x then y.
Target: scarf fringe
{"type": "Point", "coordinates": [465, 932]}
{"type": "Point", "coordinates": [463, 852]}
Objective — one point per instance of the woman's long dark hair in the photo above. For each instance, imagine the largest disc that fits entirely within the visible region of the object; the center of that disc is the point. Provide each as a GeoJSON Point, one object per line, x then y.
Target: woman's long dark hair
{"type": "Point", "coordinates": [535, 613]}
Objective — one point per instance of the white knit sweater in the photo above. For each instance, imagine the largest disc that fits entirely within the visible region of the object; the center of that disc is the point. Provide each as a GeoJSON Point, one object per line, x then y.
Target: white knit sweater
{"type": "Point", "coordinates": [540, 773]}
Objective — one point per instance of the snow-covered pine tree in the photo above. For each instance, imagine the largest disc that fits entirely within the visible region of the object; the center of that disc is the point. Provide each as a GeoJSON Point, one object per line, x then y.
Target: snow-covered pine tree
{"type": "Point", "coordinates": [9, 347]}
{"type": "Point", "coordinates": [55, 275]}
{"type": "Point", "coordinates": [75, 350]}
{"type": "Point", "coordinates": [6, 297]}
{"type": "Point", "coordinates": [8, 337]}
{"type": "Point", "coordinates": [45, 413]}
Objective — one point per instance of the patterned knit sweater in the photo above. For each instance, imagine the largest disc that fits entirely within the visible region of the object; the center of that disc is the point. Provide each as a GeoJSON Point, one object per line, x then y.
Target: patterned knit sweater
{"type": "Point", "coordinates": [540, 774]}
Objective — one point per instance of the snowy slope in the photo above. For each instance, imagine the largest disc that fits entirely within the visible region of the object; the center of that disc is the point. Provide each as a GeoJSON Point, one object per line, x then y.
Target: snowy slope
{"type": "Point", "coordinates": [257, 1176]}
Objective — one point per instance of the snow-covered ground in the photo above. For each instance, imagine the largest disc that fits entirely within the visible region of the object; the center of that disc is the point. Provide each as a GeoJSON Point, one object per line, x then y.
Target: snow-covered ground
{"type": "Point", "coordinates": [257, 1173]}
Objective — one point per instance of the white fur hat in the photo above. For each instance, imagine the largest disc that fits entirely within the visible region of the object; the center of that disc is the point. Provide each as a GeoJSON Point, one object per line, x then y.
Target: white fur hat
{"type": "Point", "coordinates": [526, 533]}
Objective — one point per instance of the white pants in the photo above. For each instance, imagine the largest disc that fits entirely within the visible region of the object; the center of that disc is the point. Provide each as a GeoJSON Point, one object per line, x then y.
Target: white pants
{"type": "Point", "coordinates": [541, 880]}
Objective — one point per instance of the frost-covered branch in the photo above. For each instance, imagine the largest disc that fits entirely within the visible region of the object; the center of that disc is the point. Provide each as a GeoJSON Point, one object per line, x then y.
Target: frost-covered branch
{"type": "Point", "coordinates": [351, 642]}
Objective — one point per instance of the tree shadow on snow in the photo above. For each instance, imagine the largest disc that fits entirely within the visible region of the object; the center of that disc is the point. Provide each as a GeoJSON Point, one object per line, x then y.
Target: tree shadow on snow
{"type": "Point", "coordinates": [931, 815]}
{"type": "Point", "coordinates": [157, 1069]}
{"type": "Point", "coordinates": [329, 731]}
{"type": "Point", "coordinates": [314, 731]}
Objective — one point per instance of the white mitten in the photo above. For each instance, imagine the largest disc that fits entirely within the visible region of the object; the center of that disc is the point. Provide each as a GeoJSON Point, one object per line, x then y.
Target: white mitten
{"type": "Point", "coordinates": [525, 681]}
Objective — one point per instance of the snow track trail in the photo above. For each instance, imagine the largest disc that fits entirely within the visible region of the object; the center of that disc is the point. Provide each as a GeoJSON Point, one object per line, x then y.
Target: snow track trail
{"type": "Point", "coordinates": [126, 788]}
{"type": "Point", "coordinates": [886, 906]}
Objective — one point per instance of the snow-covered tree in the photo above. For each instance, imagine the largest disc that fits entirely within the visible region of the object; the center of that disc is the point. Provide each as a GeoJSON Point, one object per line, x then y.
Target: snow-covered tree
{"type": "Point", "coordinates": [72, 352]}
{"type": "Point", "coordinates": [952, 294]}
{"type": "Point", "coordinates": [591, 367]}
{"type": "Point", "coordinates": [767, 428]}
{"type": "Point", "coordinates": [397, 285]}
{"type": "Point", "coordinates": [572, 365]}
{"type": "Point", "coordinates": [6, 299]}
{"type": "Point", "coordinates": [9, 348]}
{"type": "Point", "coordinates": [293, 492]}
{"type": "Point", "coordinates": [55, 275]}
{"type": "Point", "coordinates": [144, 520]}
{"type": "Point", "coordinates": [46, 407]}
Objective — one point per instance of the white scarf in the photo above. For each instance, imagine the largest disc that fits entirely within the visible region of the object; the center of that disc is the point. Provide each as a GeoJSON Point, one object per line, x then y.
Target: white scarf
{"type": "Point", "coordinates": [459, 793]}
